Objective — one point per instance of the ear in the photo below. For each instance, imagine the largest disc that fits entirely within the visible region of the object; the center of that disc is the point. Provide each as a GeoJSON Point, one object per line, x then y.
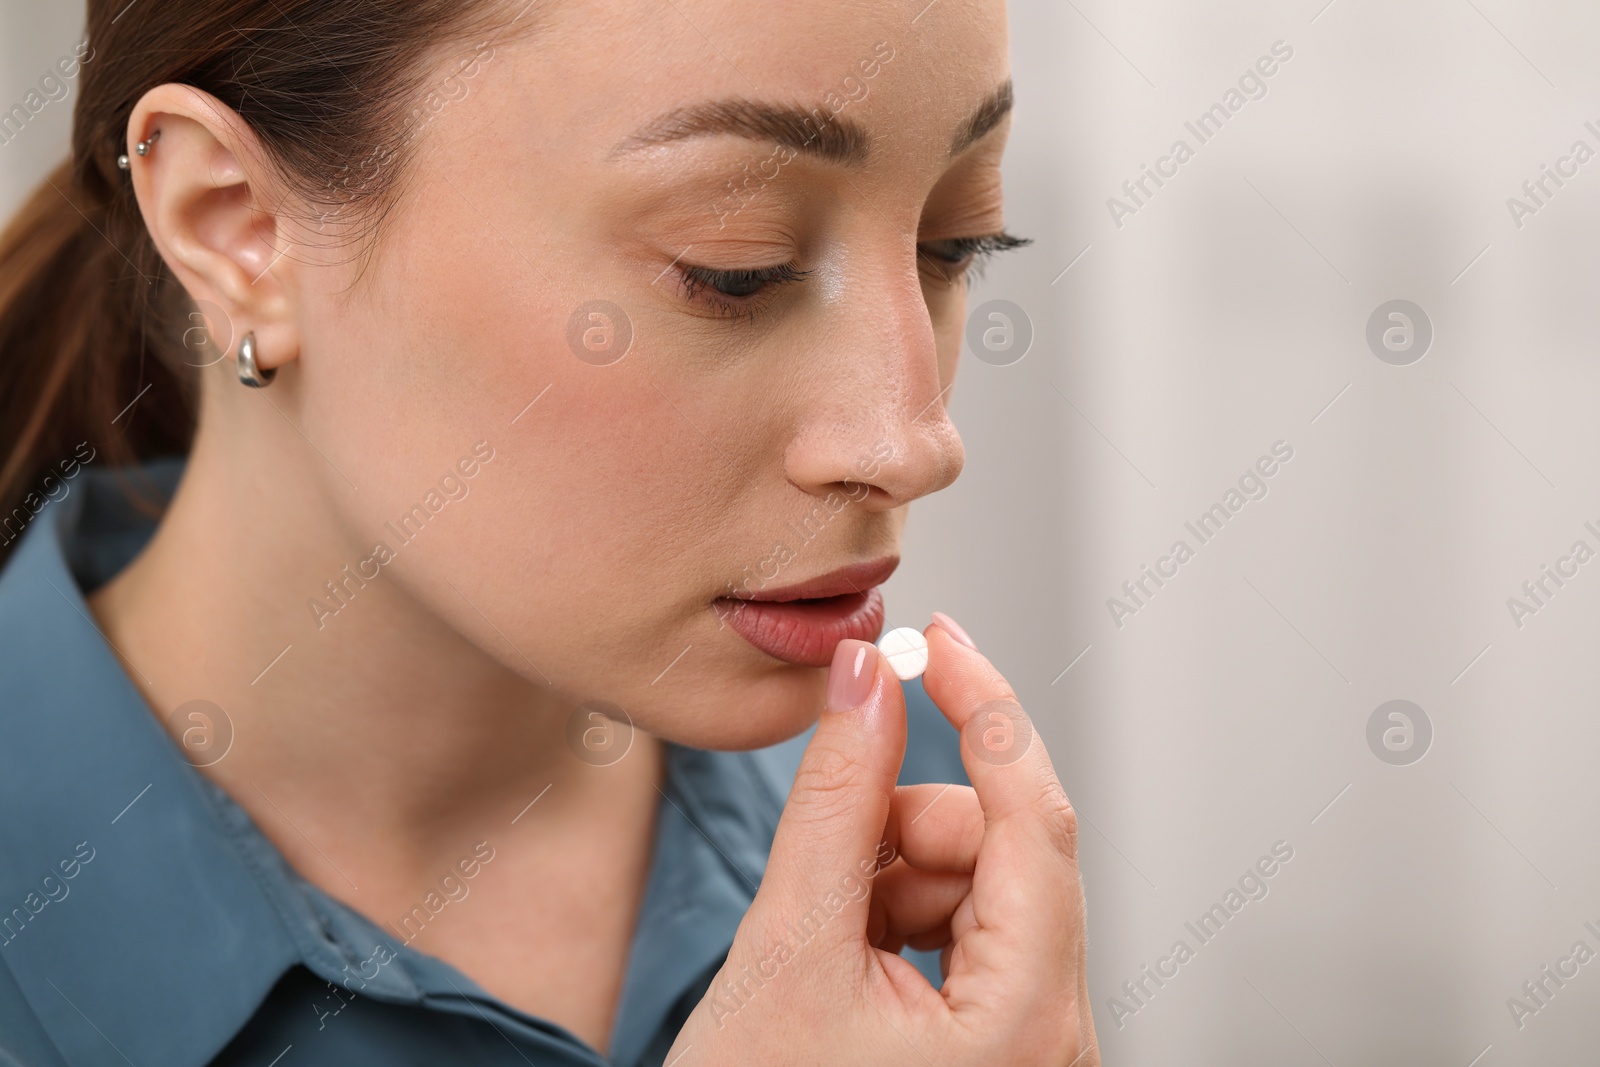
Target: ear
{"type": "Point", "coordinates": [214, 208]}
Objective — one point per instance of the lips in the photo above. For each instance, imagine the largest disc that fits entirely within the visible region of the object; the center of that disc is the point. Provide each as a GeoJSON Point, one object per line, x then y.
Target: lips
{"type": "Point", "coordinates": [802, 623]}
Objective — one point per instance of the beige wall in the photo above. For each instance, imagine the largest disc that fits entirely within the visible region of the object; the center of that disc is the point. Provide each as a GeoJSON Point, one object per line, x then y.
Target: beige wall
{"type": "Point", "coordinates": [1227, 313]}
{"type": "Point", "coordinates": [1221, 317]}
{"type": "Point", "coordinates": [33, 35]}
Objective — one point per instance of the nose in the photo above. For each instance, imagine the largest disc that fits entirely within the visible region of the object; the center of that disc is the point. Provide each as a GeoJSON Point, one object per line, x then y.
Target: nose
{"type": "Point", "coordinates": [878, 415]}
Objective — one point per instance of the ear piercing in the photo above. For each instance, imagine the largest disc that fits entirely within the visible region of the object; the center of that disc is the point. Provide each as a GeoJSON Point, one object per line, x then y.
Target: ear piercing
{"type": "Point", "coordinates": [249, 373]}
{"type": "Point", "coordinates": [143, 148]}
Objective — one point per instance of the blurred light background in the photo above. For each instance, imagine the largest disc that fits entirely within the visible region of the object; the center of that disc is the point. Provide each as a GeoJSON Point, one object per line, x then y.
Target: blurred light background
{"type": "Point", "coordinates": [1439, 859]}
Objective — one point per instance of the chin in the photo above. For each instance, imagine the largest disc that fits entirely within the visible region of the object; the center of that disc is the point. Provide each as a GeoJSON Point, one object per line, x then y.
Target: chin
{"type": "Point", "coordinates": [740, 713]}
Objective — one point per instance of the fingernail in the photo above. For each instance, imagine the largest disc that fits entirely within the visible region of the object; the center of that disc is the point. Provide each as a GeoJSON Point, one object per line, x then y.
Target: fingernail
{"type": "Point", "coordinates": [953, 628]}
{"type": "Point", "coordinates": [855, 665]}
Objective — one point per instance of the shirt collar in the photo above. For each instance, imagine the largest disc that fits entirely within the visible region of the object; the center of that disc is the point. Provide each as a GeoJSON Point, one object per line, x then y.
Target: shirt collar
{"type": "Point", "coordinates": [128, 906]}
{"type": "Point", "coordinates": [182, 902]}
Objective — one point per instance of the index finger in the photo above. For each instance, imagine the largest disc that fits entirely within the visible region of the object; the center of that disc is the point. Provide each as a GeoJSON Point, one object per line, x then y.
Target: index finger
{"type": "Point", "coordinates": [1003, 756]}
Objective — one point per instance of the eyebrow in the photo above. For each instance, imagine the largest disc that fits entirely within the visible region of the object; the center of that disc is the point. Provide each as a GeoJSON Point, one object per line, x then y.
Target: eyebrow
{"type": "Point", "coordinates": [809, 131]}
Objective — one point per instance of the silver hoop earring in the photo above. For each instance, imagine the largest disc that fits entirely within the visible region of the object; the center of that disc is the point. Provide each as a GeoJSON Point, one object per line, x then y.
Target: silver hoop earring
{"type": "Point", "coordinates": [249, 373]}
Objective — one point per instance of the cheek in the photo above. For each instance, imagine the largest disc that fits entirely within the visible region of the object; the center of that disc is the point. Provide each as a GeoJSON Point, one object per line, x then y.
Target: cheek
{"type": "Point", "coordinates": [616, 506]}
{"type": "Point", "coordinates": [599, 527]}
{"type": "Point", "coordinates": [619, 488]}
{"type": "Point", "coordinates": [611, 525]}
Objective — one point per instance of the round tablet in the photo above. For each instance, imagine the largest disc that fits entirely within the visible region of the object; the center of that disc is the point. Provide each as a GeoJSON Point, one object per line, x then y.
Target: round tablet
{"type": "Point", "coordinates": [907, 652]}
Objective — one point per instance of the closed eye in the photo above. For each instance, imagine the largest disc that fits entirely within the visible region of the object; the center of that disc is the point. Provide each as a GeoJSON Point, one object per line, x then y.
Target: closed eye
{"type": "Point", "coordinates": [735, 293]}
{"type": "Point", "coordinates": [744, 292]}
{"type": "Point", "coordinates": [959, 256]}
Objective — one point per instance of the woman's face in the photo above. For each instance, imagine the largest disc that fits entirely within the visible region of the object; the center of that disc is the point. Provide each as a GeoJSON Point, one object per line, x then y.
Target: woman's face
{"type": "Point", "coordinates": [760, 429]}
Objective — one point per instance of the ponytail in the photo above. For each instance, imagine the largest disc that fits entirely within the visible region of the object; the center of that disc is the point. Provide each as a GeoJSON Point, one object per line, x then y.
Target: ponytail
{"type": "Point", "coordinates": [71, 358]}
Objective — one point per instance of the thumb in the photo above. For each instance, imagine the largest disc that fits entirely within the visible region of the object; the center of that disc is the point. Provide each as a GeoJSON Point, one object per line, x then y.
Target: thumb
{"type": "Point", "coordinates": [829, 841]}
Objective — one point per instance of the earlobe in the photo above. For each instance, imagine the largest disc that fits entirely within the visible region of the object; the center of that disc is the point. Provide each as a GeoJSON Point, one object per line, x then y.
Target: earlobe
{"type": "Point", "coordinates": [213, 208]}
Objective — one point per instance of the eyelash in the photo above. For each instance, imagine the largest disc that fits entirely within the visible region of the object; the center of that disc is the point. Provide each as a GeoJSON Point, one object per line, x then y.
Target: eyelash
{"type": "Point", "coordinates": [980, 249]}
{"type": "Point", "coordinates": [701, 286]}
{"type": "Point", "coordinates": [704, 285]}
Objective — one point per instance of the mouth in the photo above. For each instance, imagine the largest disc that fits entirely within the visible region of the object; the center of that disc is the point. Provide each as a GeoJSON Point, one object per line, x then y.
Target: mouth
{"type": "Point", "coordinates": [802, 623]}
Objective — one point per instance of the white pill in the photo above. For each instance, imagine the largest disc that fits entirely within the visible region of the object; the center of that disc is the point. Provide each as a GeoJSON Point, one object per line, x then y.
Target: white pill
{"type": "Point", "coordinates": [907, 652]}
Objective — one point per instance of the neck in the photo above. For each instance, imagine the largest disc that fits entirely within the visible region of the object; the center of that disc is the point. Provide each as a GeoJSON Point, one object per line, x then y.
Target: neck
{"type": "Point", "coordinates": [374, 750]}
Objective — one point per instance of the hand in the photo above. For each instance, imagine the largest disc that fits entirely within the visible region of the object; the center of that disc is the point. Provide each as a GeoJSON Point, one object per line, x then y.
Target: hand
{"type": "Point", "coordinates": [860, 867]}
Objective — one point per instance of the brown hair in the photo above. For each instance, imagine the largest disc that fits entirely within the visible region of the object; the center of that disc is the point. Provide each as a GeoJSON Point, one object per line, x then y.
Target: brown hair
{"type": "Point", "coordinates": [90, 317]}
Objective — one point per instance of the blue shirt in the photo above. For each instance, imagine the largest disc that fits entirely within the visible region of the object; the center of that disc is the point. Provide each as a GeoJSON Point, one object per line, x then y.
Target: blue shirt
{"type": "Point", "coordinates": [146, 920]}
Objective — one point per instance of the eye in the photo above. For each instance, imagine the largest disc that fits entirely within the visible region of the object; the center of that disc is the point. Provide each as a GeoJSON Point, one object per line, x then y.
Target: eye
{"type": "Point", "coordinates": [959, 256]}
{"type": "Point", "coordinates": [735, 293]}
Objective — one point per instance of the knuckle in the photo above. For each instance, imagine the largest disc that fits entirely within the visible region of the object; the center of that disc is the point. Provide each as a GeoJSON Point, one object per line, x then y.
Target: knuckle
{"type": "Point", "coordinates": [828, 783]}
{"type": "Point", "coordinates": [998, 685]}
{"type": "Point", "coordinates": [996, 691]}
{"type": "Point", "coordinates": [1059, 817]}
